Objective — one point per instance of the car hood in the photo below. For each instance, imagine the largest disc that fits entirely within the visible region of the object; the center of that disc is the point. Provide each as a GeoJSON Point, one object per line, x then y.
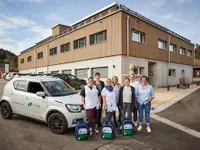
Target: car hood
{"type": "Point", "coordinates": [70, 99]}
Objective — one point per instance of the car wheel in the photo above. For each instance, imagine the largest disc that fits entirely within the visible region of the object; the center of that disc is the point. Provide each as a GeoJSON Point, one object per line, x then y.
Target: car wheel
{"type": "Point", "coordinates": [57, 123]}
{"type": "Point", "coordinates": [6, 110]}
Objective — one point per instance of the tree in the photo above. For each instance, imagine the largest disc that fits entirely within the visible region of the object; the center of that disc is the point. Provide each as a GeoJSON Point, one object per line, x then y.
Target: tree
{"type": "Point", "coordinates": [197, 51]}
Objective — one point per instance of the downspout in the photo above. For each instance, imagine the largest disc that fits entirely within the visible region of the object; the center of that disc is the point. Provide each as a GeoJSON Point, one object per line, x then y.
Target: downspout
{"type": "Point", "coordinates": [168, 61]}
{"type": "Point", "coordinates": [47, 54]}
{"type": "Point", "coordinates": [127, 33]}
{"type": "Point", "coordinates": [35, 61]}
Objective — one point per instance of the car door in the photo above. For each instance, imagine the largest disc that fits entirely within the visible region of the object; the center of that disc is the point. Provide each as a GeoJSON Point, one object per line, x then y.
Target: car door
{"type": "Point", "coordinates": [17, 96]}
{"type": "Point", "coordinates": [35, 105]}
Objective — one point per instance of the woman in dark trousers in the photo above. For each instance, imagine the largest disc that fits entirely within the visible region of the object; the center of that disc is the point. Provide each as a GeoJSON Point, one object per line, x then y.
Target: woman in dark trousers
{"type": "Point", "coordinates": [100, 85]}
{"type": "Point", "coordinates": [90, 97]}
{"type": "Point", "coordinates": [127, 100]}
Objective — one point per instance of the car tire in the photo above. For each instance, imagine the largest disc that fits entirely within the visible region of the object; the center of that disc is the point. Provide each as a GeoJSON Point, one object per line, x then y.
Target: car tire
{"type": "Point", "coordinates": [6, 110]}
{"type": "Point", "coordinates": [57, 123]}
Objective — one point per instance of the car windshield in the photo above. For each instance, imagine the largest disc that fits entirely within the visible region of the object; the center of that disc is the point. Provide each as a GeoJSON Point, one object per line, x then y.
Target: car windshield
{"type": "Point", "coordinates": [58, 88]}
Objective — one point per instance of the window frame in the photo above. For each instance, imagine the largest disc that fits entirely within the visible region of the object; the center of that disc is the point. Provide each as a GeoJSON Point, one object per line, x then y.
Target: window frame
{"type": "Point", "coordinates": [96, 36]}
{"type": "Point", "coordinates": [189, 52]}
{"type": "Point", "coordinates": [78, 41]}
{"type": "Point", "coordinates": [16, 87]}
{"type": "Point", "coordinates": [81, 69]}
{"type": "Point", "coordinates": [139, 34]}
{"type": "Point", "coordinates": [173, 47]}
{"type": "Point", "coordinates": [54, 50]}
{"type": "Point", "coordinates": [22, 61]}
{"type": "Point", "coordinates": [40, 55]}
{"type": "Point", "coordinates": [63, 46]}
{"type": "Point", "coordinates": [164, 44]}
{"type": "Point", "coordinates": [102, 75]}
{"type": "Point", "coordinates": [67, 70]}
{"type": "Point", "coordinates": [170, 72]}
{"type": "Point", "coordinates": [182, 48]}
{"type": "Point", "coordinates": [29, 58]}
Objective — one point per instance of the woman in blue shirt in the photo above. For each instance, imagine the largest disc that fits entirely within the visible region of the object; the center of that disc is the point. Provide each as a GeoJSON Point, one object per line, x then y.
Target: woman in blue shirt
{"type": "Point", "coordinates": [144, 95]}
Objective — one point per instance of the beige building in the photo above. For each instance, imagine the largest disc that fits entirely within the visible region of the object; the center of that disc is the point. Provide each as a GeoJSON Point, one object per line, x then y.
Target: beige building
{"type": "Point", "coordinates": [108, 41]}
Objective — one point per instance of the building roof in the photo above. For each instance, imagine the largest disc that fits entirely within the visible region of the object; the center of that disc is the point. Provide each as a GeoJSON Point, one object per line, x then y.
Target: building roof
{"type": "Point", "coordinates": [121, 8]}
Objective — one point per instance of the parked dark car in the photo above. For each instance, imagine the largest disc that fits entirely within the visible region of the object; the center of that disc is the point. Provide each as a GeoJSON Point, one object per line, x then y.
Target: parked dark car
{"type": "Point", "coordinates": [72, 80]}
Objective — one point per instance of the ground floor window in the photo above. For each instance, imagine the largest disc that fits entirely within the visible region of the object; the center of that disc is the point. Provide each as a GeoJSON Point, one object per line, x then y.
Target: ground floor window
{"type": "Point", "coordinates": [67, 71]}
{"type": "Point", "coordinates": [172, 73]}
{"type": "Point", "coordinates": [139, 70]}
{"type": "Point", "coordinates": [54, 72]}
{"type": "Point", "coordinates": [81, 73]}
{"type": "Point", "coordinates": [102, 70]}
{"type": "Point", "coordinates": [40, 72]}
{"type": "Point", "coordinates": [182, 72]}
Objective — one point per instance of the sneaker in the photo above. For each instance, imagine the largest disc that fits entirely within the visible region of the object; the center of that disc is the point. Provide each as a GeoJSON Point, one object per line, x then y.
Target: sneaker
{"type": "Point", "coordinates": [97, 131]}
{"type": "Point", "coordinates": [91, 133]}
{"type": "Point", "coordinates": [139, 128]}
{"type": "Point", "coordinates": [148, 129]}
{"type": "Point", "coordinates": [135, 124]}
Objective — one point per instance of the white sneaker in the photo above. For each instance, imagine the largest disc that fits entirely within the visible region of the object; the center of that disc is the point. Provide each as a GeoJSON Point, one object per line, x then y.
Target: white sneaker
{"type": "Point", "coordinates": [148, 129]}
{"type": "Point", "coordinates": [139, 128]}
{"type": "Point", "coordinates": [97, 131]}
{"type": "Point", "coordinates": [135, 124]}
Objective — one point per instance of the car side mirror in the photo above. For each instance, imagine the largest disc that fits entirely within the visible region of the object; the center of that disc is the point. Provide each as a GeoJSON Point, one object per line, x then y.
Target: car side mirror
{"type": "Point", "coordinates": [41, 94]}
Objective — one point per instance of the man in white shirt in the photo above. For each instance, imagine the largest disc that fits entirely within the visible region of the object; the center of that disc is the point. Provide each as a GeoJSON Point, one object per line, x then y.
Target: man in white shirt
{"type": "Point", "coordinates": [134, 83]}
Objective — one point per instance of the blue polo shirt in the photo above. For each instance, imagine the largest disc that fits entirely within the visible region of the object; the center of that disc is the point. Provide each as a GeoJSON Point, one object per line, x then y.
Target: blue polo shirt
{"type": "Point", "coordinates": [143, 95]}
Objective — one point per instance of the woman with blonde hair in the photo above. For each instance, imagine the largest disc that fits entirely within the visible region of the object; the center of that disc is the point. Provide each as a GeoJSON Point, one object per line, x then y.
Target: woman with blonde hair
{"type": "Point", "coordinates": [116, 85]}
{"type": "Point", "coordinates": [109, 99]}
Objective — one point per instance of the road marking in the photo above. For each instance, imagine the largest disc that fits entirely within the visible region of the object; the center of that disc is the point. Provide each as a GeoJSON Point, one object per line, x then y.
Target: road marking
{"type": "Point", "coordinates": [174, 100]}
{"type": "Point", "coordinates": [177, 126]}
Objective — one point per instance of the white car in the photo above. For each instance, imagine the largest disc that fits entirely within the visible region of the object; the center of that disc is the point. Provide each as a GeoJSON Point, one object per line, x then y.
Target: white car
{"type": "Point", "coordinates": [44, 98]}
{"type": "Point", "coordinates": [10, 75]}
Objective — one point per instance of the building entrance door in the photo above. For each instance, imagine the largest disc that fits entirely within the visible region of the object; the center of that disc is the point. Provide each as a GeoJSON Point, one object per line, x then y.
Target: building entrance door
{"type": "Point", "coordinates": [152, 73]}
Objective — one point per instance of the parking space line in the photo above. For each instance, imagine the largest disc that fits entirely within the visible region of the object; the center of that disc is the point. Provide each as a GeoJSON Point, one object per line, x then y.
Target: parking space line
{"type": "Point", "coordinates": [176, 125]}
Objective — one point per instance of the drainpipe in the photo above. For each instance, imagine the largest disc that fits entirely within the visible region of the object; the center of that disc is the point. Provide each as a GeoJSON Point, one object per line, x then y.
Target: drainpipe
{"type": "Point", "coordinates": [47, 54]}
{"type": "Point", "coordinates": [168, 61]}
{"type": "Point", "coordinates": [127, 33]}
{"type": "Point", "coordinates": [35, 61]}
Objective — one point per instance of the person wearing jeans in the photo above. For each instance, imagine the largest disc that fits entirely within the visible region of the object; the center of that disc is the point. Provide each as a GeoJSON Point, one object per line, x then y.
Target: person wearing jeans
{"type": "Point", "coordinates": [145, 95]}
{"type": "Point", "coordinates": [127, 100]}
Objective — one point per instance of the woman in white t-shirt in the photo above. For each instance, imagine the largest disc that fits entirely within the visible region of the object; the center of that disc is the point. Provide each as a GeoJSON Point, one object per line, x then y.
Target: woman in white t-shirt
{"type": "Point", "coordinates": [109, 99]}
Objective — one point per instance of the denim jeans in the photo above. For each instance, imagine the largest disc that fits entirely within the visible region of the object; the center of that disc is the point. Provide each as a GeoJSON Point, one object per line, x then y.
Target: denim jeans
{"type": "Point", "coordinates": [147, 108]}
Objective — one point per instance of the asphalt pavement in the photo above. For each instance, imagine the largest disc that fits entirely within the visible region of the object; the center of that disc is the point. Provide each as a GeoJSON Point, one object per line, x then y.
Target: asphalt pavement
{"type": "Point", "coordinates": [21, 133]}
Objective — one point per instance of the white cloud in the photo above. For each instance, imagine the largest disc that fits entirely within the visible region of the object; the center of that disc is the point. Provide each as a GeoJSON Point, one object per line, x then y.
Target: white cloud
{"type": "Point", "coordinates": [42, 31]}
{"type": "Point", "coordinates": [159, 3]}
{"type": "Point", "coordinates": [182, 1]}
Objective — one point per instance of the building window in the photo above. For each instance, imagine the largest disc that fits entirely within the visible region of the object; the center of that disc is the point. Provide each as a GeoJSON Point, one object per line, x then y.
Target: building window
{"type": "Point", "coordinates": [29, 58]}
{"type": "Point", "coordinates": [139, 70]}
{"type": "Point", "coordinates": [67, 71]}
{"type": "Point", "coordinates": [40, 55]}
{"type": "Point", "coordinates": [172, 48]}
{"type": "Point", "coordinates": [22, 61]}
{"type": "Point", "coordinates": [81, 73]}
{"type": "Point", "coordinates": [138, 36]}
{"type": "Point", "coordinates": [98, 37]}
{"type": "Point", "coordinates": [102, 70]}
{"type": "Point", "coordinates": [89, 20]}
{"type": "Point", "coordinates": [96, 17]}
{"type": "Point", "coordinates": [189, 53]}
{"type": "Point", "coordinates": [80, 43]}
{"type": "Point", "coordinates": [172, 73]}
{"type": "Point", "coordinates": [104, 13]}
{"type": "Point", "coordinates": [65, 47]}
{"type": "Point", "coordinates": [53, 51]}
{"type": "Point", "coordinates": [41, 73]}
{"type": "Point", "coordinates": [162, 44]}
{"type": "Point", "coordinates": [54, 72]}
{"type": "Point", "coordinates": [182, 51]}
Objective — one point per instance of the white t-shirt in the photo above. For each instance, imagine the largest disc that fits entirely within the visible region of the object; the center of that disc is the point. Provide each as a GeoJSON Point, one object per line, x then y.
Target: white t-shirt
{"type": "Point", "coordinates": [91, 97]}
{"type": "Point", "coordinates": [111, 99]}
{"type": "Point", "coordinates": [127, 94]}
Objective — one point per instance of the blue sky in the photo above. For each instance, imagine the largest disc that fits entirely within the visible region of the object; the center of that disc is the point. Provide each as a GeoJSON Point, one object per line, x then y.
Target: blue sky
{"type": "Point", "coordinates": [25, 22]}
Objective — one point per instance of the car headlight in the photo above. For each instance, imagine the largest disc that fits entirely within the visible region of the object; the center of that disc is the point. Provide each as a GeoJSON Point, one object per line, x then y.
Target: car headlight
{"type": "Point", "coordinates": [74, 108]}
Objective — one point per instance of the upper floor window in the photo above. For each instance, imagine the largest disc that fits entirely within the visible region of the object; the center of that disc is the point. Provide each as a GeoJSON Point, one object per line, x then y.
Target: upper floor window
{"type": "Point", "coordinates": [172, 48]}
{"type": "Point", "coordinates": [65, 47]}
{"type": "Point", "coordinates": [182, 51]}
{"type": "Point", "coordinates": [172, 73]}
{"type": "Point", "coordinates": [162, 44]}
{"type": "Point", "coordinates": [190, 53]}
{"type": "Point", "coordinates": [29, 58]}
{"type": "Point", "coordinates": [53, 51]}
{"type": "Point", "coordinates": [22, 61]}
{"type": "Point", "coordinates": [138, 36]}
{"type": "Point", "coordinates": [40, 55]}
{"type": "Point", "coordinates": [98, 37]}
{"type": "Point", "coordinates": [80, 43]}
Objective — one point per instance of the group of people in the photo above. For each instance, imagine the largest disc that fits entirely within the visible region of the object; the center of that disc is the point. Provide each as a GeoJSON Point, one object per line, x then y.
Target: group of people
{"type": "Point", "coordinates": [132, 97]}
